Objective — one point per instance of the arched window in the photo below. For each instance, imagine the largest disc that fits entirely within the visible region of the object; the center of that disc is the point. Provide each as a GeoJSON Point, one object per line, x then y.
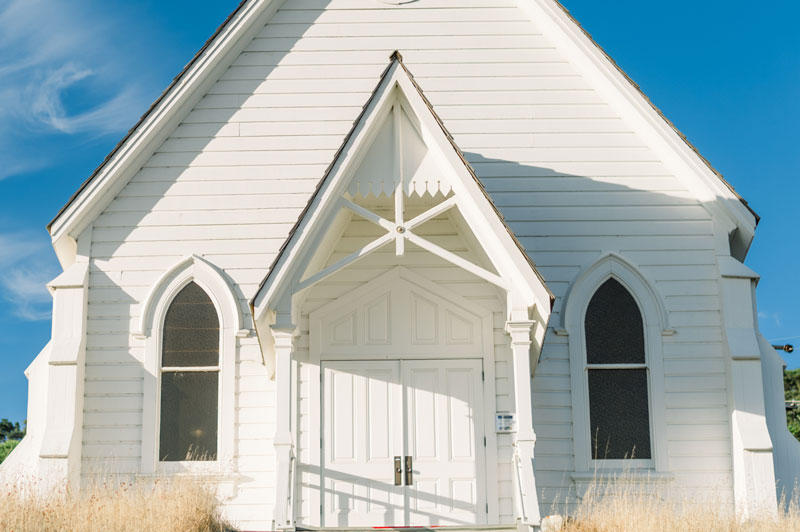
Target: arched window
{"type": "Point", "coordinates": [190, 378]}
{"type": "Point", "coordinates": [617, 375]}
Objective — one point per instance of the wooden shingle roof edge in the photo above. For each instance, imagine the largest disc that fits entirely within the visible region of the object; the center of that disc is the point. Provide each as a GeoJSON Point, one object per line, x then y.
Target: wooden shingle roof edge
{"type": "Point", "coordinates": [396, 58]}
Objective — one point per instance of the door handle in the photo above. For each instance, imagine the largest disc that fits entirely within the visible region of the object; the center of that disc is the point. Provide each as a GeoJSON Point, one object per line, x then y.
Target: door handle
{"type": "Point", "coordinates": [398, 471]}
{"type": "Point", "coordinates": [409, 471]}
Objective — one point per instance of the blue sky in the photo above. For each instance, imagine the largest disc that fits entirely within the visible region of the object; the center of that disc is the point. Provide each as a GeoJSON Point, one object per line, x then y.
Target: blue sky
{"type": "Point", "coordinates": [74, 76]}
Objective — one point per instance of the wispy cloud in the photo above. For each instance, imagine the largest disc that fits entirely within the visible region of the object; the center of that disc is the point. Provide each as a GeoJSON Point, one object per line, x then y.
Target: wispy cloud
{"type": "Point", "coordinates": [774, 317]}
{"type": "Point", "coordinates": [48, 107]}
{"type": "Point", "coordinates": [61, 73]}
{"type": "Point", "coordinates": [26, 265]}
{"type": "Point", "coordinates": [17, 247]}
{"type": "Point", "coordinates": [26, 290]}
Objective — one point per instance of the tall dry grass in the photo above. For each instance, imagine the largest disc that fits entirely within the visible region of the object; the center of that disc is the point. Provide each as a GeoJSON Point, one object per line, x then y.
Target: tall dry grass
{"type": "Point", "coordinates": [177, 505]}
{"type": "Point", "coordinates": [623, 505]}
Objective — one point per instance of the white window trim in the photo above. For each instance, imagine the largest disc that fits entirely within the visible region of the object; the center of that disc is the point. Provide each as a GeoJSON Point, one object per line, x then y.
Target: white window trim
{"type": "Point", "coordinates": [656, 325]}
{"type": "Point", "coordinates": [190, 269]}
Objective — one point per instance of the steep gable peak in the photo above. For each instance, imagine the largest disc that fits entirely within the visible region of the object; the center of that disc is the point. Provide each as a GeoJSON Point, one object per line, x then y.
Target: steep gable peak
{"type": "Point", "coordinates": [398, 147]}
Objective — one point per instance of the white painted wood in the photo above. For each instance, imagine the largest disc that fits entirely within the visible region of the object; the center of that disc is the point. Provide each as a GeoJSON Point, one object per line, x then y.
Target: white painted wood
{"type": "Point", "coordinates": [403, 313]}
{"type": "Point", "coordinates": [526, 497]}
{"type": "Point", "coordinates": [285, 456]}
{"type": "Point", "coordinates": [362, 433]}
{"type": "Point", "coordinates": [458, 261]}
{"type": "Point", "coordinates": [444, 436]}
{"type": "Point", "coordinates": [431, 290]}
{"type": "Point", "coordinates": [58, 461]}
{"type": "Point", "coordinates": [753, 466]}
{"type": "Point", "coordinates": [330, 270]}
{"type": "Point", "coordinates": [376, 411]}
{"type": "Point", "coordinates": [532, 119]}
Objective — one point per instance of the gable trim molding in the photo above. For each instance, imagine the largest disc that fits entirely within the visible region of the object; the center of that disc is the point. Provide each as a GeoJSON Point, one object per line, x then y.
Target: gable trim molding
{"type": "Point", "coordinates": [273, 298]}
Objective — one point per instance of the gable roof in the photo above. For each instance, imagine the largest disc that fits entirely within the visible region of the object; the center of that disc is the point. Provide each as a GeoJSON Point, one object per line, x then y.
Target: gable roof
{"type": "Point", "coordinates": [223, 46]}
{"type": "Point", "coordinates": [395, 75]}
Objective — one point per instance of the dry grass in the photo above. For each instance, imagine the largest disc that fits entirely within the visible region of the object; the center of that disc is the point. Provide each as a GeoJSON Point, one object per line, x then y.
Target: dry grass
{"type": "Point", "coordinates": [179, 506]}
{"type": "Point", "coordinates": [628, 506]}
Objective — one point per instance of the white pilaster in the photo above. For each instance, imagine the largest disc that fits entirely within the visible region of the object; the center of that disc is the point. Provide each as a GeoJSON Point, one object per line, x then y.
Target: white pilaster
{"type": "Point", "coordinates": [753, 472]}
{"type": "Point", "coordinates": [528, 514]}
{"type": "Point", "coordinates": [283, 337]}
{"type": "Point", "coordinates": [60, 453]}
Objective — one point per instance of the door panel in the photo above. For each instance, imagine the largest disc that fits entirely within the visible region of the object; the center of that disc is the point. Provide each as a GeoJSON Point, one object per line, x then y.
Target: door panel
{"type": "Point", "coordinates": [429, 410]}
{"type": "Point", "coordinates": [444, 403]}
{"type": "Point", "coordinates": [362, 428]}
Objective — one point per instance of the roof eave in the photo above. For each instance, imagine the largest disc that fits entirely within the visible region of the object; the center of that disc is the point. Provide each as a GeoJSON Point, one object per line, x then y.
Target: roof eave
{"type": "Point", "coordinates": [744, 216]}
{"type": "Point", "coordinates": [229, 38]}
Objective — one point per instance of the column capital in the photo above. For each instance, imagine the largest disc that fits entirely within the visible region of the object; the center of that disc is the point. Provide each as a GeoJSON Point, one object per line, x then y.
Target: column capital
{"type": "Point", "coordinates": [284, 335]}
{"type": "Point", "coordinates": [520, 331]}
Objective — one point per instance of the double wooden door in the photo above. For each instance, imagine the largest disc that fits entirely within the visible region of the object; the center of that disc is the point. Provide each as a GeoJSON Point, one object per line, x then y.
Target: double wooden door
{"type": "Point", "coordinates": [403, 443]}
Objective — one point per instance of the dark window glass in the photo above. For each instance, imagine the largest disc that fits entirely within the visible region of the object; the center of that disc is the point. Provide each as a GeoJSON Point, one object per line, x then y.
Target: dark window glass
{"type": "Point", "coordinates": [189, 416]}
{"type": "Point", "coordinates": [619, 413]}
{"type": "Point", "coordinates": [614, 329]}
{"type": "Point", "coordinates": [189, 399]}
{"type": "Point", "coordinates": [191, 330]}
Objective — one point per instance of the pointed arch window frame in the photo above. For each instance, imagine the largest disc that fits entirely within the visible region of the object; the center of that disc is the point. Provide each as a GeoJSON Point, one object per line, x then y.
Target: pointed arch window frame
{"type": "Point", "coordinates": [656, 326]}
{"type": "Point", "coordinates": [150, 329]}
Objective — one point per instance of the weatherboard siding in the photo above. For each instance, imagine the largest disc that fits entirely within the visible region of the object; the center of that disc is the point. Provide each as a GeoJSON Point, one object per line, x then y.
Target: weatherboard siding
{"type": "Point", "coordinates": [570, 176]}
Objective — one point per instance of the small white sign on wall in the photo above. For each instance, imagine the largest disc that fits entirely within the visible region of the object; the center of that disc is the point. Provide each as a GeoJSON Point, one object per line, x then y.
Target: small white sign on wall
{"type": "Point", "coordinates": [505, 422]}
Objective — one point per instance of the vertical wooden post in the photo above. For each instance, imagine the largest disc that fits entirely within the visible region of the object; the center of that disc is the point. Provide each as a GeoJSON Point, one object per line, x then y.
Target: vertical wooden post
{"type": "Point", "coordinates": [528, 514]}
{"type": "Point", "coordinates": [284, 445]}
{"type": "Point", "coordinates": [399, 190]}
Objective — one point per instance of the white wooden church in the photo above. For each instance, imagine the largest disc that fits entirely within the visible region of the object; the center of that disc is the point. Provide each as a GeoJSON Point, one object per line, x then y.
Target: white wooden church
{"type": "Point", "coordinates": [407, 263]}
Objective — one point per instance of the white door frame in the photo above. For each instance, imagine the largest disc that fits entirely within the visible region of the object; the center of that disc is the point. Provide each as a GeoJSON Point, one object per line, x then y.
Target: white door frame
{"type": "Point", "coordinates": [486, 354]}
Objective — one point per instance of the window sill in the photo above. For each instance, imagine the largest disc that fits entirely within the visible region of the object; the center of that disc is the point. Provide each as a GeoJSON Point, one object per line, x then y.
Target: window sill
{"type": "Point", "coordinates": [632, 475]}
